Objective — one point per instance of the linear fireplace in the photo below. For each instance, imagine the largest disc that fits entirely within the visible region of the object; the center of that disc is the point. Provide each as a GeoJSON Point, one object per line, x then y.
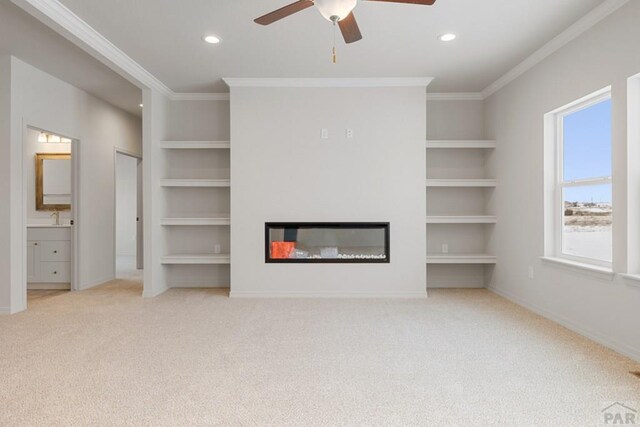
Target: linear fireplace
{"type": "Point", "coordinates": [327, 242]}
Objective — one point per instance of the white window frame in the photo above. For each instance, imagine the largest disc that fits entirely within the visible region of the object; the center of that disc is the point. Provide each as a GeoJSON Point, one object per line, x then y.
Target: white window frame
{"type": "Point", "coordinates": [559, 184]}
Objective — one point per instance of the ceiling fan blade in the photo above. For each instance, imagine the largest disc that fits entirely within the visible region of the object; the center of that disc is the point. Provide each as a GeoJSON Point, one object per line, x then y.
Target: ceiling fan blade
{"type": "Point", "coordinates": [283, 12]}
{"type": "Point", "coordinates": [423, 2]}
{"type": "Point", "coordinates": [349, 28]}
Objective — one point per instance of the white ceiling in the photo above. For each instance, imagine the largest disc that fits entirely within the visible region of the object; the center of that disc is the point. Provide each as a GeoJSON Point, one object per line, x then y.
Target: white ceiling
{"type": "Point", "coordinates": [28, 39]}
{"type": "Point", "coordinates": [399, 40]}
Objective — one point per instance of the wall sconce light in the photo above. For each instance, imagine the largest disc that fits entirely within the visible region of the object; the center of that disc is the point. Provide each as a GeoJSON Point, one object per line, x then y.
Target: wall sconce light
{"type": "Point", "coordinates": [52, 138]}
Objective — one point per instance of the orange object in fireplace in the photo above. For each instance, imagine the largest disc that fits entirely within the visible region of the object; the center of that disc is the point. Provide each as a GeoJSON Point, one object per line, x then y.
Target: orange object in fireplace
{"type": "Point", "coordinates": [281, 250]}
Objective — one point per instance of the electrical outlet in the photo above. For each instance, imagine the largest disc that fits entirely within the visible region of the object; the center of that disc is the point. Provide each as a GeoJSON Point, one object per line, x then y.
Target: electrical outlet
{"type": "Point", "coordinates": [324, 133]}
{"type": "Point", "coordinates": [349, 133]}
{"type": "Point", "coordinates": [531, 272]}
{"type": "Point", "coordinates": [445, 248]}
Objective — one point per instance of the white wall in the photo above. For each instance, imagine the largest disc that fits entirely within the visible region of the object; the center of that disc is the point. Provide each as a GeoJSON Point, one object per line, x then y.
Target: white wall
{"type": "Point", "coordinates": [6, 186]}
{"type": "Point", "coordinates": [44, 102]}
{"type": "Point", "coordinates": [281, 170]}
{"type": "Point", "coordinates": [126, 204]}
{"type": "Point", "coordinates": [31, 148]}
{"type": "Point", "coordinates": [603, 309]}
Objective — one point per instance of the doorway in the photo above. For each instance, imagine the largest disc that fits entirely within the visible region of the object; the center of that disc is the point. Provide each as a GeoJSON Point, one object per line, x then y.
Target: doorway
{"type": "Point", "coordinates": [50, 207]}
{"type": "Point", "coordinates": [128, 216]}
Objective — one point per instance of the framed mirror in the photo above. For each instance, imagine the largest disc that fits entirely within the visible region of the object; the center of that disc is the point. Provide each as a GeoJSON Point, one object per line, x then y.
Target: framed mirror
{"type": "Point", "coordinates": [53, 182]}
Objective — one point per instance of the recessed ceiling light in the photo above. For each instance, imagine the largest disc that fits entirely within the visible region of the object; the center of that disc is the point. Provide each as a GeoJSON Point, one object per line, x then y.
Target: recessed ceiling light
{"type": "Point", "coordinates": [141, 105]}
{"type": "Point", "coordinates": [212, 39]}
{"type": "Point", "coordinates": [447, 37]}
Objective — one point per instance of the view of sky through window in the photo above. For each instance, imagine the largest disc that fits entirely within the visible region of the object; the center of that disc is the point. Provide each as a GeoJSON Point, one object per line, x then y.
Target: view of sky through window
{"type": "Point", "coordinates": [587, 149]}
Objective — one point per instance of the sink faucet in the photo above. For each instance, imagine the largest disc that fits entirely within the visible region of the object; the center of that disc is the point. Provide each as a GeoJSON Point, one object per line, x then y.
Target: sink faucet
{"type": "Point", "coordinates": [56, 214]}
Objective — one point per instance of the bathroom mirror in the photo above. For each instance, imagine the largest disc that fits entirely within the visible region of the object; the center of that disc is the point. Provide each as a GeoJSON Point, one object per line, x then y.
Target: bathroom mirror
{"type": "Point", "coordinates": [53, 182]}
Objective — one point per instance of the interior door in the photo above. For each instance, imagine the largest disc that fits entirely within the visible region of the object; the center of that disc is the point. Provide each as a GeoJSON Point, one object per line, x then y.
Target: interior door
{"type": "Point", "coordinates": [139, 224]}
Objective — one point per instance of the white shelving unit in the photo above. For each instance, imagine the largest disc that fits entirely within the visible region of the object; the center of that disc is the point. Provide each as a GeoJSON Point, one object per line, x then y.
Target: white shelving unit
{"type": "Point", "coordinates": [196, 182]}
{"type": "Point", "coordinates": [457, 181]}
{"type": "Point", "coordinates": [461, 182]}
{"type": "Point", "coordinates": [462, 219]}
{"type": "Point", "coordinates": [221, 220]}
{"type": "Point", "coordinates": [460, 259]}
{"type": "Point", "coordinates": [206, 259]}
{"type": "Point", "coordinates": [461, 144]}
{"type": "Point", "coordinates": [195, 145]}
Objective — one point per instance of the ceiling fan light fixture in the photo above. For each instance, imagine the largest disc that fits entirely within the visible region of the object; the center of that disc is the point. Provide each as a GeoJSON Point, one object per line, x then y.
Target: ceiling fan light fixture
{"type": "Point", "coordinates": [332, 8]}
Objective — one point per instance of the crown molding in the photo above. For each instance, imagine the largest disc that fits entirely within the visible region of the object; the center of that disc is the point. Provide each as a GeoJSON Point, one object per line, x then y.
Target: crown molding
{"type": "Point", "coordinates": [455, 96]}
{"type": "Point", "coordinates": [329, 82]}
{"type": "Point", "coordinates": [561, 40]}
{"type": "Point", "coordinates": [59, 17]}
{"type": "Point", "coordinates": [200, 97]}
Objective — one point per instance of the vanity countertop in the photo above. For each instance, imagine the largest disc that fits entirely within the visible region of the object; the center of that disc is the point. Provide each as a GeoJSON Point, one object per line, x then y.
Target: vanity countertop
{"type": "Point", "coordinates": [48, 226]}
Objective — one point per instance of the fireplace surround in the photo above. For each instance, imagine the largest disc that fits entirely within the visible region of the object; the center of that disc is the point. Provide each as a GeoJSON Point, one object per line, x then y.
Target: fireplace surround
{"type": "Point", "coordinates": [327, 242]}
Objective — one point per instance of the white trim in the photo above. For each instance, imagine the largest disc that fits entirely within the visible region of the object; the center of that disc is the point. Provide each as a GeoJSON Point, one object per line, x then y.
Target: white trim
{"type": "Point", "coordinates": [329, 82]}
{"type": "Point", "coordinates": [48, 286]}
{"type": "Point", "coordinates": [53, 13]}
{"type": "Point", "coordinates": [455, 96]}
{"type": "Point", "coordinates": [404, 295]}
{"type": "Point", "coordinates": [57, 16]}
{"type": "Point", "coordinates": [138, 157]}
{"type": "Point", "coordinates": [633, 353]}
{"type": "Point", "coordinates": [200, 96]}
{"type": "Point", "coordinates": [198, 285]}
{"type": "Point", "coordinates": [93, 284]}
{"type": "Point", "coordinates": [592, 269]}
{"type": "Point", "coordinates": [555, 44]}
{"type": "Point", "coordinates": [631, 279]}
{"type": "Point", "coordinates": [5, 310]}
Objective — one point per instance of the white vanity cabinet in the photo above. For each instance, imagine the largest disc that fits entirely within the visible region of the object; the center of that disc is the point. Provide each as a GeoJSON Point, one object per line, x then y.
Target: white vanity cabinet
{"type": "Point", "coordinates": [48, 257]}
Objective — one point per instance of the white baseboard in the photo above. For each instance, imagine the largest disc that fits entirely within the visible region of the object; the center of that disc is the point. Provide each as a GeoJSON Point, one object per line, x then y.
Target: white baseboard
{"type": "Point", "coordinates": [93, 284]}
{"type": "Point", "coordinates": [621, 348]}
{"type": "Point", "coordinates": [48, 286]}
{"type": "Point", "coordinates": [198, 285]}
{"type": "Point", "coordinates": [5, 310]}
{"type": "Point", "coordinates": [405, 295]}
{"type": "Point", "coordinates": [154, 293]}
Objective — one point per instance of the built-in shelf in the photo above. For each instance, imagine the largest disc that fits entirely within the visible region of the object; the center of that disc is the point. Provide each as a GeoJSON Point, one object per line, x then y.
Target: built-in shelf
{"type": "Point", "coordinates": [461, 182]}
{"type": "Point", "coordinates": [472, 219]}
{"type": "Point", "coordinates": [460, 259]}
{"type": "Point", "coordinates": [195, 183]}
{"type": "Point", "coordinates": [195, 145]}
{"type": "Point", "coordinates": [196, 259]}
{"type": "Point", "coordinates": [461, 144]}
{"type": "Point", "coordinates": [221, 220]}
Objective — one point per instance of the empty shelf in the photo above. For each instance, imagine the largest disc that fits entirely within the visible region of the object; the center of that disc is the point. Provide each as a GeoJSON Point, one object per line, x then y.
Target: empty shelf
{"type": "Point", "coordinates": [195, 145]}
{"type": "Point", "coordinates": [461, 182]}
{"type": "Point", "coordinates": [470, 219]}
{"type": "Point", "coordinates": [461, 144]}
{"type": "Point", "coordinates": [196, 259]}
{"type": "Point", "coordinates": [222, 220]}
{"type": "Point", "coordinates": [460, 259]}
{"type": "Point", "coordinates": [195, 183]}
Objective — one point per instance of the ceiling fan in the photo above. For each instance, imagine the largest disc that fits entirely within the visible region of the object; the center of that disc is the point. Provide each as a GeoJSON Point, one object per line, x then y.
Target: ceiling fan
{"type": "Point", "coordinates": [337, 11]}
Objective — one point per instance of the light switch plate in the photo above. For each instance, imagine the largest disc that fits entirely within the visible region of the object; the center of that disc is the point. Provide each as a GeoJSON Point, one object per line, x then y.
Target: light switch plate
{"type": "Point", "coordinates": [324, 133]}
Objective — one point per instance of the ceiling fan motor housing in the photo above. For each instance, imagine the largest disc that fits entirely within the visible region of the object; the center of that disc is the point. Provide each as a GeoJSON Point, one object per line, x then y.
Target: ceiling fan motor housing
{"type": "Point", "coordinates": [331, 9]}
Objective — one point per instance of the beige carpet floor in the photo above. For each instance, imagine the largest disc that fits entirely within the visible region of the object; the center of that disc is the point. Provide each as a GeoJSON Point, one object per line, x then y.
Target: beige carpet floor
{"type": "Point", "coordinates": [195, 357]}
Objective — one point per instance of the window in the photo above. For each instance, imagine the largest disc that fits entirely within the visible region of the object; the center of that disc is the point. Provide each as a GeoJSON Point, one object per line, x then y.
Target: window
{"type": "Point", "coordinates": [582, 188]}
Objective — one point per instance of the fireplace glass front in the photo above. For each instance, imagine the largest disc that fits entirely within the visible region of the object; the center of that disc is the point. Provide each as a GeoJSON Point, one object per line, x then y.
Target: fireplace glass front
{"type": "Point", "coordinates": [332, 242]}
